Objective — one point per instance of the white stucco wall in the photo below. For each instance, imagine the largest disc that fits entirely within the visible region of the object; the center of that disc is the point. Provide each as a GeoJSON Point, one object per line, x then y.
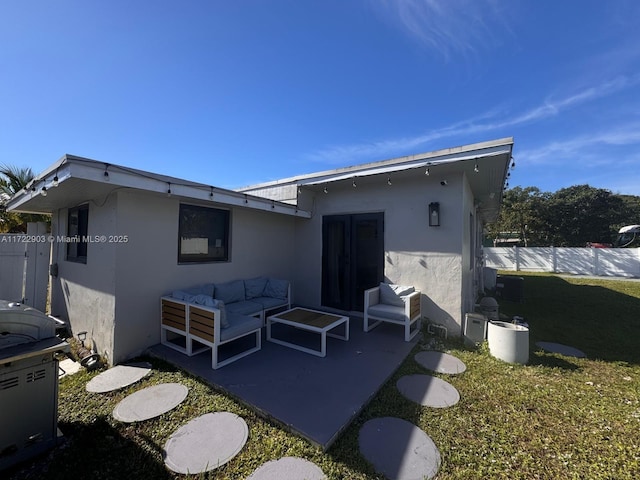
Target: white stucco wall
{"type": "Point", "coordinates": [430, 258]}
{"type": "Point", "coordinates": [82, 293]}
{"type": "Point", "coordinates": [116, 295]}
{"type": "Point", "coordinates": [147, 266]}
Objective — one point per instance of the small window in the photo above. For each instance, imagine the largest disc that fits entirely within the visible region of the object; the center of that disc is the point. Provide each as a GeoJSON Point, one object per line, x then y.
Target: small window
{"type": "Point", "coordinates": [77, 232]}
{"type": "Point", "coordinates": [203, 234]}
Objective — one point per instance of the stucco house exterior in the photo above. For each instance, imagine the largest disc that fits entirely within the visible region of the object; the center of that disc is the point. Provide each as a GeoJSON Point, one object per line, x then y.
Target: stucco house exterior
{"type": "Point", "coordinates": [332, 234]}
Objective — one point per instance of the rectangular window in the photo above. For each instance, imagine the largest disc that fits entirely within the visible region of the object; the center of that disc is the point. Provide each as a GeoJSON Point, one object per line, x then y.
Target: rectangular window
{"type": "Point", "coordinates": [77, 232]}
{"type": "Point", "coordinates": [203, 234]}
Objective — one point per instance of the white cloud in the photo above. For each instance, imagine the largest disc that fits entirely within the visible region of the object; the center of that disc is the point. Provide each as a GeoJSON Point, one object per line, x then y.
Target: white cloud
{"type": "Point", "coordinates": [448, 27]}
{"type": "Point", "coordinates": [584, 146]}
{"type": "Point", "coordinates": [487, 122]}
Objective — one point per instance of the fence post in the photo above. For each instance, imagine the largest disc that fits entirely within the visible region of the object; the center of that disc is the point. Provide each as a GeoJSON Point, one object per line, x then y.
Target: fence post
{"type": "Point", "coordinates": [516, 259]}
{"type": "Point", "coordinates": [594, 257]}
{"type": "Point", "coordinates": [554, 260]}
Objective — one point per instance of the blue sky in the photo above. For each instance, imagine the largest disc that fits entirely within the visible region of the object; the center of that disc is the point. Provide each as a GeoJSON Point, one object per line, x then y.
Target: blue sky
{"type": "Point", "coordinates": [232, 93]}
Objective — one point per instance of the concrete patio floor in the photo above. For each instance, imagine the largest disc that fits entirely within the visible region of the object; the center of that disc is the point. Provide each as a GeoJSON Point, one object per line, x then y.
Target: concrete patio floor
{"type": "Point", "coordinates": [314, 397]}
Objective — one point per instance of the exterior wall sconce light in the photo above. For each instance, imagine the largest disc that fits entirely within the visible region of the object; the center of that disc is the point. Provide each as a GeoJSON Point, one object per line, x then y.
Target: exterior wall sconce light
{"type": "Point", "coordinates": [434, 214]}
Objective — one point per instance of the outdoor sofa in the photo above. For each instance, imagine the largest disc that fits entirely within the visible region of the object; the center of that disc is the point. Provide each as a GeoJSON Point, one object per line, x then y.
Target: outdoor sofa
{"type": "Point", "coordinates": [211, 315]}
{"type": "Point", "coordinates": [394, 304]}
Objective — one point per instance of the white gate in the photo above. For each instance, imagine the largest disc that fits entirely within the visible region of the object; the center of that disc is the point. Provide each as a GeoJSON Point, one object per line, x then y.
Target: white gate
{"type": "Point", "coordinates": [24, 266]}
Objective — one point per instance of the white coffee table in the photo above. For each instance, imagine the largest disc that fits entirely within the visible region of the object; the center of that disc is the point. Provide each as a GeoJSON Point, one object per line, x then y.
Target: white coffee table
{"type": "Point", "coordinates": [312, 321]}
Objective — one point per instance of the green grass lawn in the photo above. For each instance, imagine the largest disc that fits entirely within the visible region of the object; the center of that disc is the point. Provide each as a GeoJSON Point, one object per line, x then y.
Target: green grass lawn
{"type": "Point", "coordinates": [555, 418]}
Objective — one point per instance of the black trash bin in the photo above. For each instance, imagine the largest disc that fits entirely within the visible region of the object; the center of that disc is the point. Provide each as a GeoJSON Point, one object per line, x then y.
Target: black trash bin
{"type": "Point", "coordinates": [510, 288]}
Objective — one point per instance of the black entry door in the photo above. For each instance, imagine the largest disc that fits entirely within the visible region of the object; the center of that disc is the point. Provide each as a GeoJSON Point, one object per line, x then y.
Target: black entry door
{"type": "Point", "coordinates": [352, 258]}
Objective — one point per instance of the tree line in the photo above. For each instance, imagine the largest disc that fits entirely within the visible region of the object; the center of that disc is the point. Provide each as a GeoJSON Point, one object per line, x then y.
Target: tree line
{"type": "Point", "coordinates": [569, 217]}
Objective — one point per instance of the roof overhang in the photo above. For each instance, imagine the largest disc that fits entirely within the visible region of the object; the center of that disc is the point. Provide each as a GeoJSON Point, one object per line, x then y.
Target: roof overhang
{"type": "Point", "coordinates": [485, 165]}
{"type": "Point", "coordinates": [76, 180]}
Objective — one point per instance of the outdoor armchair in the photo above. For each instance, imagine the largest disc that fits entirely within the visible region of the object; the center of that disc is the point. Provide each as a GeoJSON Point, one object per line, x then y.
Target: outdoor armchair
{"type": "Point", "coordinates": [393, 304]}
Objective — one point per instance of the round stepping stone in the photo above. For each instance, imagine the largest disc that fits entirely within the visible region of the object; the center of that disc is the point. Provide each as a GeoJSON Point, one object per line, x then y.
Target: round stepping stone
{"type": "Point", "coordinates": [291, 468]}
{"type": "Point", "coordinates": [561, 349]}
{"type": "Point", "coordinates": [150, 402]}
{"type": "Point", "coordinates": [428, 391]}
{"type": "Point", "coordinates": [440, 362]}
{"type": "Point", "coordinates": [118, 377]}
{"type": "Point", "coordinates": [398, 449]}
{"type": "Point", "coordinates": [205, 443]}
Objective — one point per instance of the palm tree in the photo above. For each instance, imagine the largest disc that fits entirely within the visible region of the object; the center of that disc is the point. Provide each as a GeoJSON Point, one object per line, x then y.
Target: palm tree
{"type": "Point", "coordinates": [15, 178]}
{"type": "Point", "coordinates": [12, 180]}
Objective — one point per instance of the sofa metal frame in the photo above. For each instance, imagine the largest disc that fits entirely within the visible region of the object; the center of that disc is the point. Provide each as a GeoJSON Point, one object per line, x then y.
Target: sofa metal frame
{"type": "Point", "coordinates": [200, 324]}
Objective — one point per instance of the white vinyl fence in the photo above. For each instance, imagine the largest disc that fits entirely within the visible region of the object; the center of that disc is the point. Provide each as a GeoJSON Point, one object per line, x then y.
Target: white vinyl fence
{"type": "Point", "coordinates": [24, 266]}
{"type": "Point", "coordinates": [12, 266]}
{"type": "Point", "coordinates": [610, 262]}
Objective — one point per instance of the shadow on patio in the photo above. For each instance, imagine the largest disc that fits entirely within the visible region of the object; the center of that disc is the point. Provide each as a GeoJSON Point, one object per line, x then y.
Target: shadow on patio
{"type": "Point", "coordinates": [314, 397]}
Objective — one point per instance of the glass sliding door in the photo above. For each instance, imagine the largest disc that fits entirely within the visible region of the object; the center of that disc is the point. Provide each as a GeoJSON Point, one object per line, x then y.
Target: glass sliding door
{"type": "Point", "coordinates": [352, 258]}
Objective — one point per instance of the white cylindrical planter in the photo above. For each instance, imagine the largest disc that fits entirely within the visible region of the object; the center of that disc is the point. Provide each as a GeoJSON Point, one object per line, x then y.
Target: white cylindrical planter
{"type": "Point", "coordinates": [508, 342]}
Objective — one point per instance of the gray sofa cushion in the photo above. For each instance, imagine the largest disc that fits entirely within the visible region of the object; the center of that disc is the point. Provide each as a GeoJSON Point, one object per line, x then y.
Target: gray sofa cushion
{"type": "Point", "coordinates": [254, 287]}
{"type": "Point", "coordinates": [179, 294]}
{"type": "Point", "coordinates": [247, 307]}
{"type": "Point", "coordinates": [392, 312]}
{"type": "Point", "coordinates": [276, 288]}
{"type": "Point", "coordinates": [230, 292]}
{"type": "Point", "coordinates": [239, 324]}
{"type": "Point", "coordinates": [391, 294]}
{"type": "Point", "coordinates": [205, 300]}
{"type": "Point", "coordinates": [268, 303]}
{"type": "Point", "coordinates": [208, 289]}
